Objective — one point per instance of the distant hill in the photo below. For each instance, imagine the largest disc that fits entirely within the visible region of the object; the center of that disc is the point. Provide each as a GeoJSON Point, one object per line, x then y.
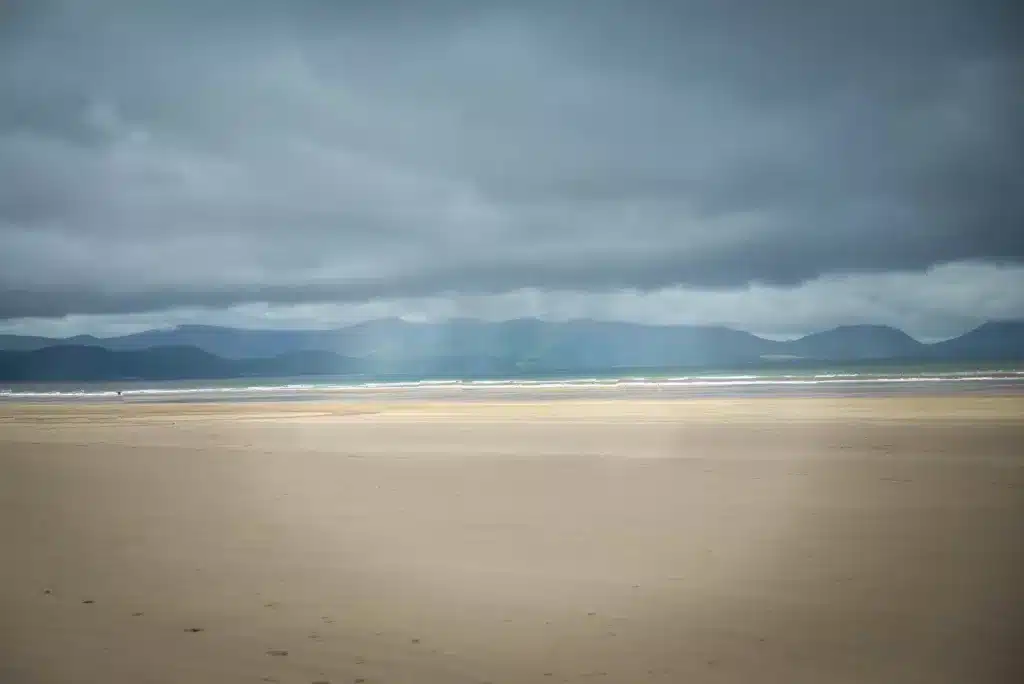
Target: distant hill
{"type": "Point", "coordinates": [464, 347]}
{"type": "Point", "coordinates": [994, 341]}
{"type": "Point", "coordinates": [229, 343]}
{"type": "Point", "coordinates": [75, 363]}
{"type": "Point", "coordinates": [28, 342]}
{"type": "Point", "coordinates": [857, 343]}
{"type": "Point", "coordinates": [593, 344]}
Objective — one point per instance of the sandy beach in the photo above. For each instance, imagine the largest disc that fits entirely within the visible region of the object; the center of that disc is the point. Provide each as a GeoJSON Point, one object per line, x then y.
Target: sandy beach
{"type": "Point", "coordinates": [615, 541]}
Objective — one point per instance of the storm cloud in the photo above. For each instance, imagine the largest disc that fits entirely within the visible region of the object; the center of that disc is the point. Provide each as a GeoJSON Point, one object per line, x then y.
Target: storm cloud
{"type": "Point", "coordinates": [164, 155]}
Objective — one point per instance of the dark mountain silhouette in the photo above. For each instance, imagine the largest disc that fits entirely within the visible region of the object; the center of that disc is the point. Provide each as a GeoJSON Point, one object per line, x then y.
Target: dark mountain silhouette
{"type": "Point", "coordinates": [464, 347]}
{"type": "Point", "coordinates": [226, 342]}
{"type": "Point", "coordinates": [75, 363]}
{"type": "Point", "coordinates": [599, 343]}
{"type": "Point", "coordinates": [994, 341]}
{"type": "Point", "coordinates": [857, 343]}
{"type": "Point", "coordinates": [28, 342]}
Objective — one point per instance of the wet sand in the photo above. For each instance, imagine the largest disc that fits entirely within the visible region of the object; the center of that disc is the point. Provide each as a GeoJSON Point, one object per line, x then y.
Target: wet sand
{"type": "Point", "coordinates": [719, 540]}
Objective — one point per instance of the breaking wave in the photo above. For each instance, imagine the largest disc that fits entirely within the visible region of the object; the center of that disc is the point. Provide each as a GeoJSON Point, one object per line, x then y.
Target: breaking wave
{"type": "Point", "coordinates": [159, 391]}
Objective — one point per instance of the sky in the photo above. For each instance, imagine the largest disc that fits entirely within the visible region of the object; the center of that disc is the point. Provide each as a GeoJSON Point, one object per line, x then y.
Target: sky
{"type": "Point", "coordinates": [778, 167]}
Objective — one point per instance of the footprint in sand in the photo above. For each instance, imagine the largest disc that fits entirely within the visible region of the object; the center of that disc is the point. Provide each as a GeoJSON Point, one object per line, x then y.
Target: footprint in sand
{"type": "Point", "coordinates": [279, 652]}
{"type": "Point", "coordinates": [194, 630]}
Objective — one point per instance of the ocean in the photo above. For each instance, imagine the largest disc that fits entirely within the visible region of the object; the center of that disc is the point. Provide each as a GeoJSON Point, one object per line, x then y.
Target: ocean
{"type": "Point", "coordinates": [836, 381]}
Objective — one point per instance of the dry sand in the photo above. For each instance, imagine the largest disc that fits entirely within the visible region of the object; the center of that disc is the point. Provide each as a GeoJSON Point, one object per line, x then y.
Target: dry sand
{"type": "Point", "coordinates": [763, 540]}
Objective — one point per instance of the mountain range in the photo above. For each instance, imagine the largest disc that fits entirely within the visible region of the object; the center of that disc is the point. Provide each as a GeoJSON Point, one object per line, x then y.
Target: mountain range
{"type": "Point", "coordinates": [466, 348]}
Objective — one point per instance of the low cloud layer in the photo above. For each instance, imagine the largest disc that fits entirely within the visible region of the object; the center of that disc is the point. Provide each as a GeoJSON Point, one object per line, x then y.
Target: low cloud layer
{"type": "Point", "coordinates": [166, 156]}
{"type": "Point", "coordinates": [939, 303]}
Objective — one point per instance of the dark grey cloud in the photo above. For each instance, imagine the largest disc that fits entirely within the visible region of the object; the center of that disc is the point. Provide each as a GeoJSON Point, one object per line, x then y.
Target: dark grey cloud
{"type": "Point", "coordinates": [189, 154]}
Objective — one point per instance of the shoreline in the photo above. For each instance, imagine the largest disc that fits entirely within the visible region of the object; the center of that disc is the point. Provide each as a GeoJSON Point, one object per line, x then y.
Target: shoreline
{"type": "Point", "coordinates": [590, 389]}
{"type": "Point", "coordinates": [916, 406]}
